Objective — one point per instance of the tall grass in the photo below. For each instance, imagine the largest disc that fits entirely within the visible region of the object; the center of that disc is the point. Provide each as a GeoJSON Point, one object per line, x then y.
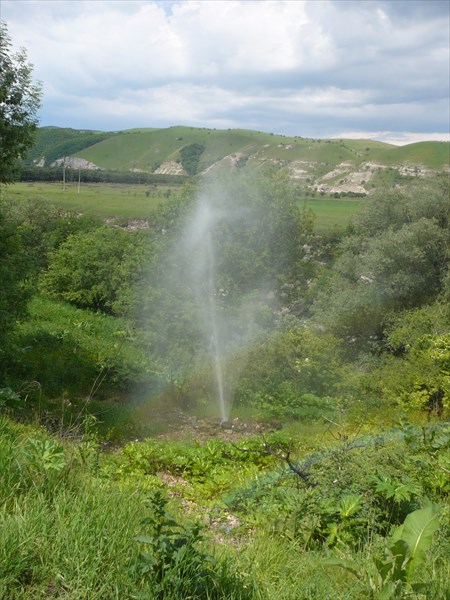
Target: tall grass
{"type": "Point", "coordinates": [65, 533]}
{"type": "Point", "coordinates": [70, 529]}
{"type": "Point", "coordinates": [62, 532]}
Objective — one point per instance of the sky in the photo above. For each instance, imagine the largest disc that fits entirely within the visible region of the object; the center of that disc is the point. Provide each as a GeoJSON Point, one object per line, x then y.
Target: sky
{"type": "Point", "coordinates": [317, 68]}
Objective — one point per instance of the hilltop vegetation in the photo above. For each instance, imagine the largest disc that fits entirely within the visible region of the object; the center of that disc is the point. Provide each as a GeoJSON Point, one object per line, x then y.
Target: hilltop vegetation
{"type": "Point", "coordinates": [56, 142]}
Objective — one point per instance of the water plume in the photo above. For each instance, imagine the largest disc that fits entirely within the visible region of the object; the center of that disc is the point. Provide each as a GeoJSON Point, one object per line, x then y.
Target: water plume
{"type": "Point", "coordinates": [214, 288]}
{"type": "Point", "coordinates": [199, 242]}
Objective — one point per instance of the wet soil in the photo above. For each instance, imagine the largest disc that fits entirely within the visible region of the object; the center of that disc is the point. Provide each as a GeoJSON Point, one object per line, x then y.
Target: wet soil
{"type": "Point", "coordinates": [183, 426]}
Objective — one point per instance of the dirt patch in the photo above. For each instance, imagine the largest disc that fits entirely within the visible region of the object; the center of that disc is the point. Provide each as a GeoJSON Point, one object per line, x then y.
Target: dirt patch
{"type": "Point", "coordinates": [188, 427]}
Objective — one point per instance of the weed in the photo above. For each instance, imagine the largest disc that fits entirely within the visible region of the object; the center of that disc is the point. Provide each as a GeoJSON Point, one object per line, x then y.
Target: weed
{"type": "Point", "coordinates": [175, 562]}
{"type": "Point", "coordinates": [391, 577]}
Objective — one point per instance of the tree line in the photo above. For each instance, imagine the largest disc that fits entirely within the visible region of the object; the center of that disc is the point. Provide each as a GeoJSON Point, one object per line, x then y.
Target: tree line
{"type": "Point", "coordinates": [56, 174]}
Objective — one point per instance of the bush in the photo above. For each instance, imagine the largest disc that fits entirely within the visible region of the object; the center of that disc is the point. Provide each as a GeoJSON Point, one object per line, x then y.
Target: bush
{"type": "Point", "coordinates": [95, 269]}
{"type": "Point", "coordinates": [77, 353]}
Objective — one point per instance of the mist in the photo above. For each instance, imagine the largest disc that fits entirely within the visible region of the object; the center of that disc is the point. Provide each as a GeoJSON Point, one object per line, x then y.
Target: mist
{"type": "Point", "coordinates": [217, 287]}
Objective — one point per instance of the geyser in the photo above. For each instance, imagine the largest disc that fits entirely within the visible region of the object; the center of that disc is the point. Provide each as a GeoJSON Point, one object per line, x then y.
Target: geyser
{"type": "Point", "coordinates": [200, 238]}
{"type": "Point", "coordinates": [226, 264]}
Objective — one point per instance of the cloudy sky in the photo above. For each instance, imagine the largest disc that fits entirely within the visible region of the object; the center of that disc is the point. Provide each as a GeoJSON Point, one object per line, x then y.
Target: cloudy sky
{"type": "Point", "coordinates": [319, 68]}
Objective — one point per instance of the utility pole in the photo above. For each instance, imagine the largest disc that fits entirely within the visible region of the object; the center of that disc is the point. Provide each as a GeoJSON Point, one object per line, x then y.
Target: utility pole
{"type": "Point", "coordinates": [64, 174]}
{"type": "Point", "coordinates": [79, 178]}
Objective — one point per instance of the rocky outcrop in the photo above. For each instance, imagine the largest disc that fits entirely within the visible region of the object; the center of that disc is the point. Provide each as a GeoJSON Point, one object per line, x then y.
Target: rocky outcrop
{"type": "Point", "coordinates": [170, 168]}
{"type": "Point", "coordinates": [74, 162]}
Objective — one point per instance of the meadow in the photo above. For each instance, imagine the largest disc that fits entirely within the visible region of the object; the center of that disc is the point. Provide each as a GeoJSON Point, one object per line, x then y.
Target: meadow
{"type": "Point", "coordinates": [332, 214]}
{"type": "Point", "coordinates": [127, 201]}
{"type": "Point", "coordinates": [140, 201]}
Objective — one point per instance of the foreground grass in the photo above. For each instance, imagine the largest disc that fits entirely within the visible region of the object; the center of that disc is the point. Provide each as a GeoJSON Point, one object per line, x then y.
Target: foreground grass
{"type": "Point", "coordinates": [69, 514]}
{"type": "Point", "coordinates": [66, 533]}
{"type": "Point", "coordinates": [62, 533]}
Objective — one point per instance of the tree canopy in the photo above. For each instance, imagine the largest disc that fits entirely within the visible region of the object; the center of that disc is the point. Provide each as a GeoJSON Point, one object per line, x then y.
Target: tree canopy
{"type": "Point", "coordinates": [396, 258]}
{"type": "Point", "coordinates": [19, 102]}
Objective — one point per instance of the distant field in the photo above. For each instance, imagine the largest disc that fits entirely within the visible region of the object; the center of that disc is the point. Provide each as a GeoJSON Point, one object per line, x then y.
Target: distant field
{"type": "Point", "coordinates": [131, 201]}
{"type": "Point", "coordinates": [128, 201]}
{"type": "Point", "coordinates": [333, 214]}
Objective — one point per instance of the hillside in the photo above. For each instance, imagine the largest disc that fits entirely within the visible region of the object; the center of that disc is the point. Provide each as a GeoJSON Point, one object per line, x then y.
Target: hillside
{"type": "Point", "coordinates": [331, 166]}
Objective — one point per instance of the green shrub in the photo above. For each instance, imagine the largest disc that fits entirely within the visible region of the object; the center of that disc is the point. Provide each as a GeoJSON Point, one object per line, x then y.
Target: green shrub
{"type": "Point", "coordinates": [94, 269]}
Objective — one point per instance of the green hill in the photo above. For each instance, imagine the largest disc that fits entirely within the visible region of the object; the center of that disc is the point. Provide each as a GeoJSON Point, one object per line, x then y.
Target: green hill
{"type": "Point", "coordinates": [331, 165]}
{"type": "Point", "coordinates": [56, 142]}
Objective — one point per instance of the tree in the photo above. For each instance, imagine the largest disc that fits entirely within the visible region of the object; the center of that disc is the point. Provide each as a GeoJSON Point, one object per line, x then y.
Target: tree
{"type": "Point", "coordinates": [190, 157]}
{"type": "Point", "coordinates": [19, 103]}
{"type": "Point", "coordinates": [395, 259]}
{"type": "Point", "coordinates": [96, 269]}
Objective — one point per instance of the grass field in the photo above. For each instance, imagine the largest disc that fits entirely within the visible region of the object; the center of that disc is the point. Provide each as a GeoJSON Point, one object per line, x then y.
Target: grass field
{"type": "Point", "coordinates": [128, 201]}
{"type": "Point", "coordinates": [333, 214]}
{"type": "Point", "coordinates": [132, 201]}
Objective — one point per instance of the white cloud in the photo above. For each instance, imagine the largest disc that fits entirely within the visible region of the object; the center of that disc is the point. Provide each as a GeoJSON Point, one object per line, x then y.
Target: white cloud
{"type": "Point", "coordinates": [306, 67]}
{"type": "Point", "coordinates": [390, 137]}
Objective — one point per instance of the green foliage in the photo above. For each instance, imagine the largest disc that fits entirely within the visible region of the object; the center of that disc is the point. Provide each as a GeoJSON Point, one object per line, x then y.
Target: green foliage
{"type": "Point", "coordinates": [209, 469]}
{"type": "Point", "coordinates": [13, 272]}
{"type": "Point", "coordinates": [429, 456]}
{"type": "Point", "coordinates": [33, 221]}
{"type": "Point", "coordinates": [415, 374]}
{"type": "Point", "coordinates": [294, 373]}
{"type": "Point", "coordinates": [61, 533]}
{"type": "Point", "coordinates": [190, 157]}
{"type": "Point", "coordinates": [321, 521]}
{"type": "Point", "coordinates": [8, 398]}
{"type": "Point", "coordinates": [55, 142]}
{"type": "Point", "coordinates": [77, 353]}
{"type": "Point", "coordinates": [73, 175]}
{"type": "Point", "coordinates": [45, 455]}
{"type": "Point", "coordinates": [422, 379]}
{"type": "Point", "coordinates": [95, 269]}
{"type": "Point", "coordinates": [42, 229]}
{"type": "Point", "coordinates": [257, 234]}
{"type": "Point", "coordinates": [349, 494]}
{"type": "Point", "coordinates": [19, 103]}
{"type": "Point", "coordinates": [64, 532]}
{"type": "Point", "coordinates": [417, 533]}
{"type": "Point", "coordinates": [395, 259]}
{"type": "Point", "coordinates": [404, 552]}
{"type": "Point", "coordinates": [174, 562]}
